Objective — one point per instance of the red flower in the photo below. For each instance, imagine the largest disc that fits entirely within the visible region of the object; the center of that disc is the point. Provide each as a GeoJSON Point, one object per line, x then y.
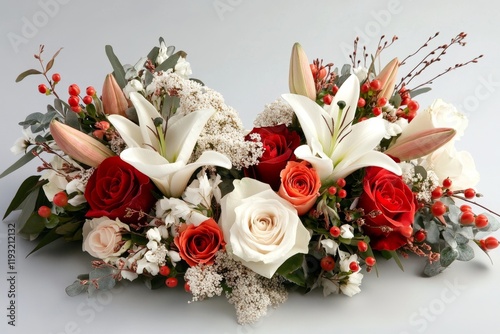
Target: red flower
{"type": "Point", "coordinates": [386, 193]}
{"type": "Point", "coordinates": [199, 244]}
{"type": "Point", "coordinates": [279, 144]}
{"type": "Point", "coordinates": [116, 186]}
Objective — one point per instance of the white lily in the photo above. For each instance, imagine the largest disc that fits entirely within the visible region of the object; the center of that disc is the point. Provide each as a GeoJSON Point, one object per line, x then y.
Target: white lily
{"type": "Point", "coordinates": [335, 147]}
{"type": "Point", "coordinates": [162, 152]}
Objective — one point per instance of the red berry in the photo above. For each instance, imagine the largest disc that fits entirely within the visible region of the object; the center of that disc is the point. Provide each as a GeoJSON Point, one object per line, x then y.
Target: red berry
{"type": "Point", "coordinates": [376, 85]}
{"type": "Point", "coordinates": [87, 99]}
{"type": "Point", "coordinates": [420, 236]}
{"type": "Point", "coordinates": [363, 119]}
{"type": "Point", "coordinates": [361, 102]}
{"type": "Point", "coordinates": [465, 207]}
{"type": "Point", "coordinates": [405, 101]}
{"type": "Point", "coordinates": [370, 261]}
{"type": "Point", "coordinates": [74, 90]}
{"type": "Point", "coordinates": [60, 199]}
{"type": "Point", "coordinates": [362, 246]}
{"type": "Point", "coordinates": [335, 89]}
{"type": "Point", "coordinates": [481, 221]}
{"type": "Point", "coordinates": [76, 109]}
{"type": "Point", "coordinates": [187, 288]}
{"type": "Point", "coordinates": [354, 266]}
{"type": "Point", "coordinates": [438, 208]}
{"type": "Point", "coordinates": [447, 182]}
{"type": "Point", "coordinates": [73, 101]}
{"type": "Point", "coordinates": [335, 231]}
{"type": "Point", "coordinates": [467, 218]}
{"type": "Point", "coordinates": [469, 193]}
{"type": "Point", "coordinates": [327, 99]}
{"type": "Point", "coordinates": [90, 91]}
{"type": "Point", "coordinates": [332, 191]}
{"type": "Point", "coordinates": [164, 270]}
{"type": "Point", "coordinates": [365, 87]}
{"type": "Point", "coordinates": [171, 282]}
{"type": "Point", "coordinates": [437, 193]}
{"type": "Point", "coordinates": [490, 243]}
{"type": "Point", "coordinates": [327, 263]}
{"type": "Point", "coordinates": [42, 88]}
{"type": "Point", "coordinates": [342, 193]}
{"type": "Point", "coordinates": [413, 106]}
{"type": "Point", "coordinates": [377, 111]}
{"type": "Point", "coordinates": [382, 101]}
{"type": "Point", "coordinates": [56, 77]}
{"type": "Point", "coordinates": [44, 211]}
{"type": "Point", "coordinates": [341, 182]}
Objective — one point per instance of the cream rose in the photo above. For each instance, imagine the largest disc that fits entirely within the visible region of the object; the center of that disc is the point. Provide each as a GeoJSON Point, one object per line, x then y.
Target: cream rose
{"type": "Point", "coordinates": [439, 115]}
{"type": "Point", "coordinates": [261, 229]}
{"type": "Point", "coordinates": [102, 237]}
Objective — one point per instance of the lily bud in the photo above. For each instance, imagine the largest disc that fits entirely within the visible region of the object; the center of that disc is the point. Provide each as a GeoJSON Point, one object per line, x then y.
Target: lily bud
{"type": "Point", "coordinates": [300, 78]}
{"type": "Point", "coordinates": [78, 145]}
{"type": "Point", "coordinates": [420, 144]}
{"type": "Point", "coordinates": [387, 78]}
{"type": "Point", "coordinates": [113, 99]}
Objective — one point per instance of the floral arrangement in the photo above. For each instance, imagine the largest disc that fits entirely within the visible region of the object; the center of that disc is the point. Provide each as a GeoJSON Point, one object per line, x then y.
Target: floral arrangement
{"type": "Point", "coordinates": [158, 179]}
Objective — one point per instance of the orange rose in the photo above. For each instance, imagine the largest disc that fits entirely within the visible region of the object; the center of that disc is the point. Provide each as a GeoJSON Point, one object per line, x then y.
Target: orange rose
{"type": "Point", "coordinates": [299, 185]}
{"type": "Point", "coordinates": [198, 244]}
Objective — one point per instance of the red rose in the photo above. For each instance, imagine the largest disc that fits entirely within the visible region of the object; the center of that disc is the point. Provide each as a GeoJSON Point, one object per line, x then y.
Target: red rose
{"type": "Point", "coordinates": [116, 186]}
{"type": "Point", "coordinates": [386, 193]}
{"type": "Point", "coordinates": [279, 144]}
{"type": "Point", "coordinates": [199, 244]}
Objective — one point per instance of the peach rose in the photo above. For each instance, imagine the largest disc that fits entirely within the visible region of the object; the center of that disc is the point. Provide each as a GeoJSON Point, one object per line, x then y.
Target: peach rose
{"type": "Point", "coordinates": [299, 185]}
{"type": "Point", "coordinates": [198, 244]}
{"type": "Point", "coordinates": [102, 237]}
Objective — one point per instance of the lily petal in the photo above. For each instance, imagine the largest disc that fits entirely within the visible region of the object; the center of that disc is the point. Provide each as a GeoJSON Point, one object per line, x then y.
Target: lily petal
{"type": "Point", "coordinates": [320, 161]}
{"type": "Point", "coordinates": [129, 131]}
{"type": "Point", "coordinates": [146, 113]}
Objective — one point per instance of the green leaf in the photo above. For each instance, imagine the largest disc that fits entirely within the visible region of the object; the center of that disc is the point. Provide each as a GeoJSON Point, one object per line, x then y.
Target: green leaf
{"type": "Point", "coordinates": [27, 157]}
{"type": "Point", "coordinates": [153, 54]}
{"type": "Point", "coordinates": [170, 105]}
{"type": "Point", "coordinates": [76, 288]}
{"type": "Point", "coordinates": [34, 225]}
{"type": "Point", "coordinates": [291, 270]}
{"type": "Point", "coordinates": [421, 171]}
{"type": "Point", "coordinates": [396, 258]}
{"type": "Point", "coordinates": [118, 70]}
{"type": "Point", "coordinates": [52, 222]}
{"type": "Point", "coordinates": [433, 269]}
{"type": "Point", "coordinates": [449, 238]}
{"type": "Point", "coordinates": [26, 73]}
{"type": "Point", "coordinates": [50, 63]}
{"type": "Point", "coordinates": [48, 238]}
{"type": "Point", "coordinates": [24, 190]}
{"type": "Point", "coordinates": [170, 62]}
{"type": "Point", "coordinates": [68, 228]}
{"type": "Point", "coordinates": [448, 255]}
{"type": "Point", "coordinates": [465, 252]}
{"type": "Point", "coordinates": [419, 91]}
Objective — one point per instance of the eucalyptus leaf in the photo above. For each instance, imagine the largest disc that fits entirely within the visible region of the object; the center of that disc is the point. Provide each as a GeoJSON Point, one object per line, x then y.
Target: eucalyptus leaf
{"type": "Point", "coordinates": [419, 91]}
{"type": "Point", "coordinates": [449, 238]}
{"type": "Point", "coordinates": [72, 120]}
{"type": "Point", "coordinates": [448, 255]}
{"type": "Point", "coordinates": [50, 63]}
{"type": "Point", "coordinates": [464, 235]}
{"type": "Point", "coordinates": [432, 232]}
{"type": "Point", "coordinates": [76, 288]}
{"type": "Point", "coordinates": [433, 269]}
{"type": "Point", "coordinates": [419, 170]}
{"type": "Point", "coordinates": [170, 62]}
{"type": "Point", "coordinates": [153, 54]}
{"type": "Point", "coordinates": [465, 252]}
{"type": "Point", "coordinates": [118, 71]}
{"type": "Point", "coordinates": [26, 73]}
{"type": "Point", "coordinates": [346, 69]}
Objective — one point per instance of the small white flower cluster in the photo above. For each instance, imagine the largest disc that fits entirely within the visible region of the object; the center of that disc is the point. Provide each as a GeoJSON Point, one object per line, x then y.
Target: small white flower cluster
{"type": "Point", "coordinates": [275, 113]}
{"type": "Point", "coordinates": [422, 186]}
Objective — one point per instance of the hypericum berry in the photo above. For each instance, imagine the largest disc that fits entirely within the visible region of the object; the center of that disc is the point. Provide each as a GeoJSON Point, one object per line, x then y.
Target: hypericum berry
{"type": "Point", "coordinates": [90, 91]}
{"type": "Point", "coordinates": [74, 90]}
{"type": "Point", "coordinates": [420, 236]}
{"type": "Point", "coordinates": [73, 101]}
{"type": "Point", "coordinates": [76, 109]}
{"type": "Point", "coordinates": [60, 199]}
{"type": "Point", "coordinates": [341, 182]}
{"type": "Point", "coordinates": [44, 211]}
{"type": "Point", "coordinates": [370, 261]}
{"type": "Point", "coordinates": [405, 101]}
{"type": "Point", "coordinates": [187, 288]}
{"type": "Point", "coordinates": [171, 282]}
{"type": "Point", "coordinates": [327, 263]}
{"type": "Point", "coordinates": [447, 182]}
{"type": "Point", "coordinates": [469, 193]}
{"type": "Point", "coordinates": [465, 207]}
{"type": "Point", "coordinates": [376, 111]}
{"type": "Point", "coordinates": [375, 85]}
{"type": "Point", "coordinates": [335, 231]}
{"type": "Point", "coordinates": [413, 105]}
{"type": "Point", "coordinates": [437, 193]}
{"type": "Point", "coordinates": [362, 246]}
{"type": "Point", "coordinates": [342, 193]}
{"type": "Point", "coordinates": [335, 89]}
{"type": "Point", "coordinates": [467, 218]}
{"type": "Point", "coordinates": [87, 99]}
{"type": "Point", "coordinates": [56, 77]}
{"type": "Point", "coordinates": [354, 266]}
{"type": "Point", "coordinates": [490, 243]}
{"type": "Point", "coordinates": [42, 88]}
{"type": "Point", "coordinates": [365, 87]}
{"type": "Point", "coordinates": [361, 102]}
{"type": "Point", "coordinates": [481, 221]}
{"type": "Point", "coordinates": [164, 270]}
{"type": "Point", "coordinates": [327, 99]}
{"type": "Point", "coordinates": [382, 101]}
{"type": "Point", "coordinates": [332, 190]}
{"type": "Point", "coordinates": [438, 208]}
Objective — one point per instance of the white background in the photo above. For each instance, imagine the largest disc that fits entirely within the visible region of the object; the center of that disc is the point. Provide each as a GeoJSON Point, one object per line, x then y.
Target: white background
{"type": "Point", "coordinates": [242, 50]}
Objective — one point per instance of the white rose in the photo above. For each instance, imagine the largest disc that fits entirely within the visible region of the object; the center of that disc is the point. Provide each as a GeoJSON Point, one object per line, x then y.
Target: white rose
{"type": "Point", "coordinates": [102, 237]}
{"type": "Point", "coordinates": [438, 115]}
{"type": "Point", "coordinates": [458, 166]}
{"type": "Point", "coordinates": [261, 229]}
